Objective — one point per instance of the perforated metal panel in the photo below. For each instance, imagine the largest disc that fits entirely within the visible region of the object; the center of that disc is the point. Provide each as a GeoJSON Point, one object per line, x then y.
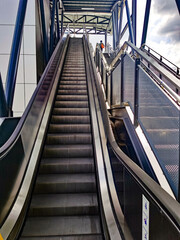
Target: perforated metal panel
{"type": "Point", "coordinates": [129, 70]}
{"type": "Point", "coordinates": [116, 85]}
{"type": "Point", "coordinates": [160, 119]}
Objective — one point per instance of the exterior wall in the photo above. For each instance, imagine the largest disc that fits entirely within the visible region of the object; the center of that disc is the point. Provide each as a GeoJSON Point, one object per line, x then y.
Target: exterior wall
{"type": "Point", "coordinates": [27, 74]}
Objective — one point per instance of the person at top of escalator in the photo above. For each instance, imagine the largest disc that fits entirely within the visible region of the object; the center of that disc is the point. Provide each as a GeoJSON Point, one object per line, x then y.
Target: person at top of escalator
{"type": "Point", "coordinates": [101, 45]}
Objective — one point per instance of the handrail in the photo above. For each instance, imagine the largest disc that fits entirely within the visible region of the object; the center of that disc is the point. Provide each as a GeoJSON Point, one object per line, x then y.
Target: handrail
{"type": "Point", "coordinates": [161, 58]}
{"type": "Point", "coordinates": [22, 140]}
{"type": "Point", "coordinates": [171, 78]}
{"type": "Point", "coordinates": [163, 201]}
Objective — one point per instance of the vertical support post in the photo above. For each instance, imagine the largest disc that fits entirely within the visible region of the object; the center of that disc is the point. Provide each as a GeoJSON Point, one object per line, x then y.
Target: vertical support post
{"type": "Point", "coordinates": [114, 31]}
{"type": "Point", "coordinates": [14, 57]}
{"type": "Point", "coordinates": [120, 23]}
{"type": "Point", "coordinates": [62, 13]}
{"type": "Point", "coordinates": [129, 22]}
{"type": "Point", "coordinates": [52, 26]}
{"type": "Point", "coordinates": [57, 19]}
{"type": "Point", "coordinates": [111, 89]}
{"type": "Point", "coordinates": [116, 24]}
{"type": "Point", "coordinates": [105, 38]}
{"type": "Point", "coordinates": [3, 105]}
{"type": "Point", "coordinates": [136, 92]}
{"type": "Point", "coordinates": [45, 42]}
{"type": "Point", "coordinates": [146, 21]}
{"type": "Point", "coordinates": [122, 79]}
{"type": "Point", "coordinates": [134, 18]}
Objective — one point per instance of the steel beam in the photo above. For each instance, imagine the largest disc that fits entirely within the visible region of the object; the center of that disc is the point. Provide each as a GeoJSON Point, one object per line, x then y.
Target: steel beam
{"type": "Point", "coordinates": [3, 105]}
{"type": "Point", "coordinates": [114, 31]}
{"type": "Point", "coordinates": [146, 21]}
{"type": "Point", "coordinates": [116, 22]}
{"type": "Point", "coordinates": [14, 57]}
{"type": "Point", "coordinates": [134, 18]}
{"type": "Point", "coordinates": [62, 14]}
{"type": "Point", "coordinates": [129, 22]}
{"type": "Point", "coordinates": [57, 19]}
{"type": "Point", "coordinates": [45, 42]}
{"type": "Point", "coordinates": [178, 5]}
{"type": "Point", "coordinates": [120, 23]}
{"type": "Point", "coordinates": [52, 26]}
{"type": "Point", "coordinates": [105, 38]}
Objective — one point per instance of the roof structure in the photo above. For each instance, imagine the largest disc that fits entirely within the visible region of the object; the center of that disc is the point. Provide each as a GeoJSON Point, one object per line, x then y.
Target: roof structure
{"type": "Point", "coordinates": [94, 15]}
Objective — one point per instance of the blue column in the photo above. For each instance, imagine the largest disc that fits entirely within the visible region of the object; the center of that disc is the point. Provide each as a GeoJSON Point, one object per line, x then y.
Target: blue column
{"type": "Point", "coordinates": [116, 23]}
{"type": "Point", "coordinates": [120, 23]}
{"type": "Point", "coordinates": [114, 31]}
{"type": "Point", "coordinates": [14, 57]}
{"type": "Point", "coordinates": [57, 18]}
{"type": "Point", "coordinates": [134, 18]}
{"type": "Point", "coordinates": [45, 42]}
{"type": "Point", "coordinates": [146, 21]}
{"type": "Point", "coordinates": [52, 27]}
{"type": "Point", "coordinates": [3, 106]}
{"type": "Point", "coordinates": [129, 22]}
{"type": "Point", "coordinates": [62, 13]}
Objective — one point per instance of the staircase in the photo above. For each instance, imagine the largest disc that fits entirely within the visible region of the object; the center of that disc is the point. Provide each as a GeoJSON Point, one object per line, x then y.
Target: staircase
{"type": "Point", "coordinates": [64, 203]}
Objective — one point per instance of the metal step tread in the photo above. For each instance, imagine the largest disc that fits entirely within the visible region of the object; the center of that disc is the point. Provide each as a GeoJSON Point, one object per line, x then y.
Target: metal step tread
{"type": "Point", "coordinates": [70, 128]}
{"type": "Point", "coordinates": [64, 204]}
{"type": "Point", "coordinates": [67, 225]}
{"type": "Point", "coordinates": [79, 237]}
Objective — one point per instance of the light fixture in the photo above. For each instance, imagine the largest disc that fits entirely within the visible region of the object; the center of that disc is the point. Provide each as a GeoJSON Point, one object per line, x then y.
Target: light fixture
{"type": "Point", "coordinates": [87, 8]}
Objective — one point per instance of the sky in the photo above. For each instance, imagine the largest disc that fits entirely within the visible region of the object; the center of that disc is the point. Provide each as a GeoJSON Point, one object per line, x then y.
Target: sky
{"type": "Point", "coordinates": [163, 30]}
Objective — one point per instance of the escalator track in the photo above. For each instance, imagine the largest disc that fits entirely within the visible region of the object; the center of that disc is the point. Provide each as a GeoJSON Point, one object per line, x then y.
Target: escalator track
{"type": "Point", "coordinates": [64, 202]}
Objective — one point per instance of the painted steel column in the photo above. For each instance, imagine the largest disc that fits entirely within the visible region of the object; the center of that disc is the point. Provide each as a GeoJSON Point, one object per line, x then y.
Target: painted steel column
{"type": "Point", "coordinates": [105, 38]}
{"type": "Point", "coordinates": [116, 18]}
{"type": "Point", "coordinates": [57, 19]}
{"type": "Point", "coordinates": [129, 22]}
{"type": "Point", "coordinates": [14, 57]}
{"type": "Point", "coordinates": [146, 21]}
{"type": "Point", "coordinates": [136, 92]}
{"type": "Point", "coordinates": [134, 18]}
{"type": "Point", "coordinates": [62, 13]}
{"type": "Point", "coordinates": [52, 26]}
{"type": "Point", "coordinates": [114, 31]}
{"type": "Point", "coordinates": [45, 42]}
{"type": "Point", "coordinates": [120, 23]}
{"type": "Point", "coordinates": [3, 105]}
{"type": "Point", "coordinates": [178, 5]}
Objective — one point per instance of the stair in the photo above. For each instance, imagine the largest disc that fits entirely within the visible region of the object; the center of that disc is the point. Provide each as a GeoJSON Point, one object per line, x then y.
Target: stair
{"type": "Point", "coordinates": [64, 204]}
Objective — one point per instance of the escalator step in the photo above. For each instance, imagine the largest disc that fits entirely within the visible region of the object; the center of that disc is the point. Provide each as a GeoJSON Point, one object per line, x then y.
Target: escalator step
{"type": "Point", "coordinates": [65, 183]}
{"type": "Point", "coordinates": [68, 151]}
{"type": "Point", "coordinates": [67, 165]}
{"type": "Point", "coordinates": [70, 119]}
{"type": "Point", "coordinates": [72, 82]}
{"type": "Point", "coordinates": [64, 204]}
{"type": "Point", "coordinates": [78, 138]}
{"type": "Point", "coordinates": [72, 92]}
{"type": "Point", "coordinates": [67, 225]}
{"type": "Point", "coordinates": [71, 104]}
{"type": "Point", "coordinates": [71, 111]}
{"type": "Point", "coordinates": [70, 128]}
{"type": "Point", "coordinates": [73, 87]}
{"type": "Point", "coordinates": [72, 97]}
{"type": "Point", "coordinates": [79, 237]}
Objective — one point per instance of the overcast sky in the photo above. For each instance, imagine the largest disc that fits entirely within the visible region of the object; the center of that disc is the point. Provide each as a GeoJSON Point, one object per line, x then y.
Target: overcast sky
{"type": "Point", "coordinates": [163, 30]}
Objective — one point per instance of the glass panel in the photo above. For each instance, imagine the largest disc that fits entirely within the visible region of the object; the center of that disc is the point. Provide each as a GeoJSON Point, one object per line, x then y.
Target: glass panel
{"type": "Point", "coordinates": [160, 119]}
{"type": "Point", "coordinates": [129, 68]}
{"type": "Point", "coordinates": [20, 73]}
{"type": "Point", "coordinates": [30, 13]}
{"type": "Point", "coordinates": [4, 59]}
{"type": "Point", "coordinates": [29, 40]}
{"type": "Point", "coordinates": [8, 11]}
{"type": "Point", "coordinates": [6, 37]}
{"type": "Point", "coordinates": [18, 104]}
{"type": "Point", "coordinates": [30, 69]}
{"type": "Point", "coordinates": [116, 85]}
{"type": "Point", "coordinates": [29, 89]}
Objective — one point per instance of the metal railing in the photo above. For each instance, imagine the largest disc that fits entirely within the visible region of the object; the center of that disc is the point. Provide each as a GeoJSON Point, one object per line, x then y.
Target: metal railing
{"type": "Point", "coordinates": [138, 187]}
{"type": "Point", "coordinates": [154, 104]}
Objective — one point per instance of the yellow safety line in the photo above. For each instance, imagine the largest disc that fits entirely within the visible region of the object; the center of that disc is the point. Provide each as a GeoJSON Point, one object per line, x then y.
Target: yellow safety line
{"type": "Point", "coordinates": [1, 238]}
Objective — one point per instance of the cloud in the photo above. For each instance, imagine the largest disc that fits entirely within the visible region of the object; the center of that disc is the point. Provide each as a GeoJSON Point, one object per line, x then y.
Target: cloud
{"type": "Point", "coordinates": [163, 6]}
{"type": "Point", "coordinates": [171, 28]}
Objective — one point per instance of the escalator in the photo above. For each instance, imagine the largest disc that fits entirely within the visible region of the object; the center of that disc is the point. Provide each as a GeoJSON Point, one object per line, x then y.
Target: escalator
{"type": "Point", "coordinates": [73, 181]}
{"type": "Point", "coordinates": [64, 202]}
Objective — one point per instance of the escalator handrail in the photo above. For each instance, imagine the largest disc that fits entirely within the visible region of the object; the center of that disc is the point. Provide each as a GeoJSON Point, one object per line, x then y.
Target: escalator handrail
{"type": "Point", "coordinates": [163, 200]}
{"type": "Point", "coordinates": [19, 126]}
{"type": "Point", "coordinates": [169, 76]}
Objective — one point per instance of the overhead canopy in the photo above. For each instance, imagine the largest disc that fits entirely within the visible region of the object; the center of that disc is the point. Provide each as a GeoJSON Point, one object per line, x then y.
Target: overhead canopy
{"type": "Point", "coordinates": [94, 15]}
